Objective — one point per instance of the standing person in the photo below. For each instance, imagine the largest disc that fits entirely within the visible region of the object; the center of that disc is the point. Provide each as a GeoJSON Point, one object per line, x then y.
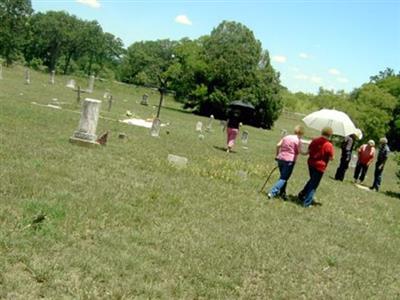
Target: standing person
{"type": "Point", "coordinates": [232, 130]}
{"type": "Point", "coordinates": [380, 163]}
{"type": "Point", "coordinates": [320, 153]}
{"type": "Point", "coordinates": [366, 154]}
{"type": "Point", "coordinates": [286, 153]}
{"type": "Point", "coordinates": [347, 148]}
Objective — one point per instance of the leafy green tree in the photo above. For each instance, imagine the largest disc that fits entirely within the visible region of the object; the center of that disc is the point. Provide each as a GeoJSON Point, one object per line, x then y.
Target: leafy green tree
{"type": "Point", "coordinates": [14, 16]}
{"type": "Point", "coordinates": [50, 36]}
{"type": "Point", "coordinates": [390, 82]}
{"type": "Point", "coordinates": [373, 110]}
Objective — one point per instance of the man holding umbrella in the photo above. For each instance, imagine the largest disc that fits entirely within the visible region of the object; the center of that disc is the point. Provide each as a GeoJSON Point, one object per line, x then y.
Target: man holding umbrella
{"type": "Point", "coordinates": [347, 148]}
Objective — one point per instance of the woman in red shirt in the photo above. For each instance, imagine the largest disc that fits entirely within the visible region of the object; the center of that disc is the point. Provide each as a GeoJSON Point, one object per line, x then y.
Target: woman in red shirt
{"type": "Point", "coordinates": [366, 155]}
{"type": "Point", "coordinates": [320, 153]}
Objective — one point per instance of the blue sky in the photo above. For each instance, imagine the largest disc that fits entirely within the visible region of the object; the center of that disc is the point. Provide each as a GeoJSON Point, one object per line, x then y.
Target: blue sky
{"type": "Point", "coordinates": [336, 44]}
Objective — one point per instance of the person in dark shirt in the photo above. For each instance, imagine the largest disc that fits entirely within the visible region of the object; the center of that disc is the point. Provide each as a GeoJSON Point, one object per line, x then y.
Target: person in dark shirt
{"type": "Point", "coordinates": [320, 153]}
{"type": "Point", "coordinates": [232, 131]}
{"type": "Point", "coordinates": [347, 148]}
{"type": "Point", "coordinates": [383, 155]}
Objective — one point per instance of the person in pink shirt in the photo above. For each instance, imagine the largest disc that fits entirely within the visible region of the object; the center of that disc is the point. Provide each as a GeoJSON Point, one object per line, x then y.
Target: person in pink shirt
{"type": "Point", "coordinates": [286, 154]}
{"type": "Point", "coordinates": [366, 154]}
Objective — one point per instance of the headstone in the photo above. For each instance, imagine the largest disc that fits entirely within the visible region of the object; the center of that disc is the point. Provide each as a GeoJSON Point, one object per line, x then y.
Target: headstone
{"type": "Point", "coordinates": [91, 84]}
{"type": "Point", "coordinates": [71, 84]}
{"type": "Point", "coordinates": [106, 94]}
{"type": "Point", "coordinates": [27, 76]}
{"type": "Point", "coordinates": [145, 99]}
{"type": "Point", "coordinates": [245, 137]}
{"type": "Point", "coordinates": [209, 125]}
{"type": "Point", "coordinates": [177, 161]}
{"type": "Point", "coordinates": [85, 135]}
{"type": "Point", "coordinates": [155, 127]}
{"type": "Point", "coordinates": [1, 71]}
{"type": "Point", "coordinates": [52, 76]}
{"type": "Point", "coordinates": [199, 126]}
{"type": "Point", "coordinates": [353, 161]}
{"type": "Point", "coordinates": [304, 146]}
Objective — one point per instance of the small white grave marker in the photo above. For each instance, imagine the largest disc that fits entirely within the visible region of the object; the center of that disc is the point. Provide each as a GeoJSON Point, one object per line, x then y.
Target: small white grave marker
{"type": "Point", "coordinates": [245, 137]}
{"type": "Point", "coordinates": [177, 161]}
{"type": "Point", "coordinates": [71, 84]}
{"type": "Point", "coordinates": [209, 125]}
{"type": "Point", "coordinates": [155, 127]}
{"type": "Point", "coordinates": [199, 126]}
{"type": "Point", "coordinates": [27, 76]}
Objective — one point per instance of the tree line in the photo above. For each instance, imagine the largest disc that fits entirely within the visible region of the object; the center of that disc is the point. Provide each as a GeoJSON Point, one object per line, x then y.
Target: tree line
{"type": "Point", "coordinates": [205, 74]}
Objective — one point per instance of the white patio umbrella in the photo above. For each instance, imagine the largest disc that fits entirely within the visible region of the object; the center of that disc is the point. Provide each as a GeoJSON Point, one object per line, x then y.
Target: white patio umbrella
{"type": "Point", "coordinates": [340, 123]}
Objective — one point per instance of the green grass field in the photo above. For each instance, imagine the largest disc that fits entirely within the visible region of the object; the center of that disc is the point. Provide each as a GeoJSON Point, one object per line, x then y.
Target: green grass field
{"type": "Point", "coordinates": [121, 223]}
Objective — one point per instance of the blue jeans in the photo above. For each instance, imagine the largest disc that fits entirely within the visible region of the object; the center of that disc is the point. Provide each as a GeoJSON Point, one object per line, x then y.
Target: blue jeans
{"type": "Point", "coordinates": [286, 169]}
{"type": "Point", "coordinates": [311, 186]}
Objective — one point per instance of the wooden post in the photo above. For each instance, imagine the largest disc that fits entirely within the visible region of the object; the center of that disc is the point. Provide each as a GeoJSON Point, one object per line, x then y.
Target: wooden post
{"type": "Point", "coordinates": [110, 100]}
{"type": "Point", "coordinates": [78, 91]}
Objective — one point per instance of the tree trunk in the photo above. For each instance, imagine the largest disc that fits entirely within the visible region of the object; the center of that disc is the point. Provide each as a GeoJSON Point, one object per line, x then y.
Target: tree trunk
{"type": "Point", "coordinates": [67, 62]}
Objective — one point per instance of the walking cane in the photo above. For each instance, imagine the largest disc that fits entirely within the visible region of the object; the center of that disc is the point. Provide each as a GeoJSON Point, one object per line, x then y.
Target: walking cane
{"type": "Point", "coordinates": [269, 176]}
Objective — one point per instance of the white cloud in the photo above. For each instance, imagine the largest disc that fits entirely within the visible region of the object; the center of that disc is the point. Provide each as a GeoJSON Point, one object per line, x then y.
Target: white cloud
{"type": "Point", "coordinates": [279, 58]}
{"type": "Point", "coordinates": [301, 77]}
{"type": "Point", "coordinates": [316, 79]}
{"type": "Point", "coordinates": [304, 55]}
{"type": "Point", "coordinates": [91, 3]}
{"type": "Point", "coordinates": [334, 71]}
{"type": "Point", "coordinates": [296, 69]}
{"type": "Point", "coordinates": [343, 79]}
{"type": "Point", "coordinates": [183, 19]}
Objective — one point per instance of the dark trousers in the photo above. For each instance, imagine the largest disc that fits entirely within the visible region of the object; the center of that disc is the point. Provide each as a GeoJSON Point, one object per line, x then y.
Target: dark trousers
{"type": "Point", "coordinates": [286, 169]}
{"type": "Point", "coordinates": [377, 177]}
{"type": "Point", "coordinates": [344, 164]}
{"type": "Point", "coordinates": [311, 186]}
{"type": "Point", "coordinates": [360, 171]}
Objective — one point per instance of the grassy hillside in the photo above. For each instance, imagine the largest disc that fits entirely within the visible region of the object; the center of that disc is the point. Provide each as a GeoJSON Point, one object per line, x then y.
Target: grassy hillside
{"type": "Point", "coordinates": [122, 223]}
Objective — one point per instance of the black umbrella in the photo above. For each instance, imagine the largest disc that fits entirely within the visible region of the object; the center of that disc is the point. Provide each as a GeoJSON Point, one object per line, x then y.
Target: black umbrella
{"type": "Point", "coordinates": [241, 105]}
{"type": "Point", "coordinates": [244, 109]}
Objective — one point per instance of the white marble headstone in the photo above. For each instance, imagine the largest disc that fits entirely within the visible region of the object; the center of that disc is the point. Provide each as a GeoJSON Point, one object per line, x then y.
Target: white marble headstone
{"type": "Point", "coordinates": [86, 131]}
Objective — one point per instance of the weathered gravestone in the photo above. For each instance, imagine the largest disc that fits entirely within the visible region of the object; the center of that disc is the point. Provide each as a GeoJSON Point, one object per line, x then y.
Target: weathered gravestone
{"type": "Point", "coordinates": [245, 137]}
{"type": "Point", "coordinates": [155, 127]}
{"type": "Point", "coordinates": [210, 121]}
{"type": "Point", "coordinates": [199, 126]}
{"type": "Point", "coordinates": [145, 99]}
{"type": "Point", "coordinates": [85, 135]}
{"type": "Point", "coordinates": [52, 76]}
{"type": "Point", "coordinates": [27, 76]}
{"type": "Point", "coordinates": [71, 84]}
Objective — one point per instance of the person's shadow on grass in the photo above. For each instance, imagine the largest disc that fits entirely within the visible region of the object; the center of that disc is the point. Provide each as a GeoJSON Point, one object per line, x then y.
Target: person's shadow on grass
{"type": "Point", "coordinates": [223, 149]}
{"type": "Point", "coordinates": [295, 199]}
{"type": "Point", "coordinates": [393, 194]}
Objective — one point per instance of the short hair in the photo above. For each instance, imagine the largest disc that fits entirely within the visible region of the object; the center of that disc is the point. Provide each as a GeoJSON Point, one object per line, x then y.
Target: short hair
{"type": "Point", "coordinates": [371, 143]}
{"type": "Point", "coordinates": [327, 131]}
{"type": "Point", "coordinates": [298, 129]}
{"type": "Point", "coordinates": [383, 140]}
